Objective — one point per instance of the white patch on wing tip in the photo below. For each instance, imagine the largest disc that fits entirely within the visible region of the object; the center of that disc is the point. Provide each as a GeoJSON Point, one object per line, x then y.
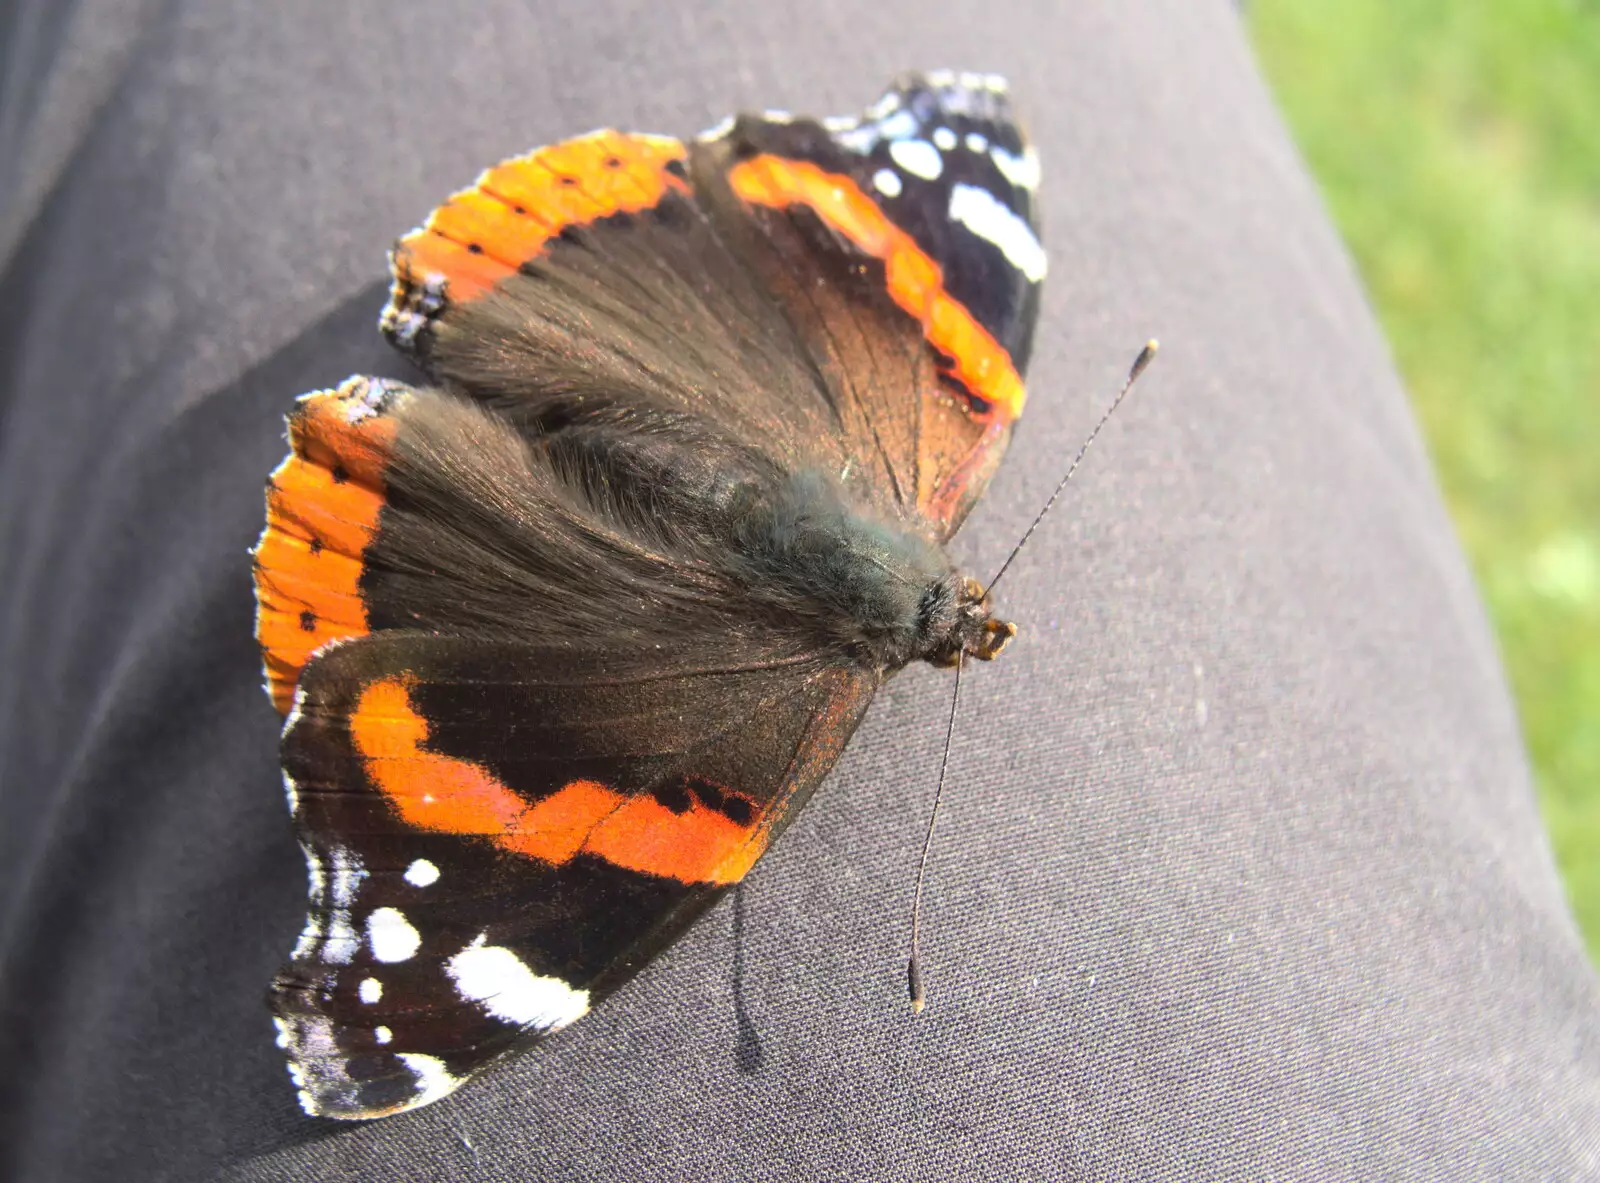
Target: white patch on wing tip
{"type": "Point", "coordinates": [283, 1031]}
{"type": "Point", "coordinates": [1022, 171]}
{"type": "Point", "coordinates": [433, 1078]}
{"type": "Point", "coordinates": [917, 157]}
{"type": "Point", "coordinates": [887, 182]}
{"type": "Point", "coordinates": [509, 990]}
{"type": "Point", "coordinates": [370, 990]}
{"type": "Point", "coordinates": [382, 1034]}
{"type": "Point", "coordinates": [976, 143]}
{"type": "Point", "coordinates": [902, 125]}
{"type": "Point", "coordinates": [944, 139]}
{"type": "Point", "coordinates": [422, 873]}
{"type": "Point", "coordinates": [982, 213]}
{"type": "Point", "coordinates": [391, 936]}
{"type": "Point", "coordinates": [885, 106]}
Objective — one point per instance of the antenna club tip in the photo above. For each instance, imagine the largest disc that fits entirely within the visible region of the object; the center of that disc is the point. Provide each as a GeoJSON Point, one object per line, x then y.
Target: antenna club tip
{"type": "Point", "coordinates": [914, 981]}
{"type": "Point", "coordinates": [1146, 356]}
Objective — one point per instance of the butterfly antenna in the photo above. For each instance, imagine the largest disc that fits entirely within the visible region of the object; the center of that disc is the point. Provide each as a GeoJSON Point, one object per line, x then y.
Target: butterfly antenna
{"type": "Point", "coordinates": [1146, 355]}
{"type": "Point", "coordinates": [914, 964]}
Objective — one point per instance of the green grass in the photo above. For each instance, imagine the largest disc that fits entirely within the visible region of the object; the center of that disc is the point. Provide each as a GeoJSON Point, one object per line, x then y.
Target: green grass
{"type": "Point", "coordinates": [1458, 148]}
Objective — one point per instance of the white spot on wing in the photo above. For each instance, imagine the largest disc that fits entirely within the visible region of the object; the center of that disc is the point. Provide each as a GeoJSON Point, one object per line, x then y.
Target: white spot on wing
{"type": "Point", "coordinates": [433, 1078]}
{"type": "Point", "coordinates": [509, 990]}
{"type": "Point", "coordinates": [887, 182]}
{"type": "Point", "coordinates": [319, 1066]}
{"type": "Point", "coordinates": [983, 214]}
{"type": "Point", "coordinates": [422, 873]}
{"type": "Point", "coordinates": [347, 876]}
{"type": "Point", "coordinates": [340, 942]}
{"type": "Point", "coordinates": [391, 936]}
{"type": "Point", "coordinates": [316, 877]}
{"type": "Point", "coordinates": [857, 139]}
{"type": "Point", "coordinates": [316, 897]}
{"type": "Point", "coordinates": [885, 106]}
{"type": "Point", "coordinates": [902, 125]}
{"type": "Point", "coordinates": [316, 1065]}
{"type": "Point", "coordinates": [336, 886]}
{"type": "Point", "coordinates": [1022, 171]}
{"type": "Point", "coordinates": [917, 157]}
{"type": "Point", "coordinates": [976, 143]}
{"type": "Point", "coordinates": [944, 139]}
{"type": "Point", "coordinates": [370, 990]}
{"type": "Point", "coordinates": [310, 935]}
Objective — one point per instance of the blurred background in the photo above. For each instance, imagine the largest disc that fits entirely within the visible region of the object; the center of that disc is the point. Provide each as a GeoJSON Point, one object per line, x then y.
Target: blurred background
{"type": "Point", "coordinates": [1458, 149]}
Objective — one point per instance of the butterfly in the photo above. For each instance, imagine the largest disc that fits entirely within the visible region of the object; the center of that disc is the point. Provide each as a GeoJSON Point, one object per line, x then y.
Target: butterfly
{"type": "Point", "coordinates": [567, 635]}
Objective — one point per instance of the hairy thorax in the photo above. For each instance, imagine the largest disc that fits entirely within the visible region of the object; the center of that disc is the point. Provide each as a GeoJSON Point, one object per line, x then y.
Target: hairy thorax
{"type": "Point", "coordinates": [881, 594]}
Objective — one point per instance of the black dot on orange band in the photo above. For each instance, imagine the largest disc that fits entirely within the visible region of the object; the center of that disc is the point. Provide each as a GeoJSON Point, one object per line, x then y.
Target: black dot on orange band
{"type": "Point", "coordinates": [340, 474]}
{"type": "Point", "coordinates": [308, 621]}
{"type": "Point", "coordinates": [315, 546]}
{"type": "Point", "coordinates": [613, 162]}
{"type": "Point", "coordinates": [474, 248]}
{"type": "Point", "coordinates": [569, 181]}
{"type": "Point", "coordinates": [675, 797]}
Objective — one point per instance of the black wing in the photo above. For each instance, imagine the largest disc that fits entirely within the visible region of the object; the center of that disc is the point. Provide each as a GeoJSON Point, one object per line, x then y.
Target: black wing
{"type": "Point", "coordinates": [498, 835]}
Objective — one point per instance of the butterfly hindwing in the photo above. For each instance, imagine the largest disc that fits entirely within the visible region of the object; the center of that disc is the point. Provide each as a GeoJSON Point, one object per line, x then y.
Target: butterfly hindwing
{"type": "Point", "coordinates": [500, 834]}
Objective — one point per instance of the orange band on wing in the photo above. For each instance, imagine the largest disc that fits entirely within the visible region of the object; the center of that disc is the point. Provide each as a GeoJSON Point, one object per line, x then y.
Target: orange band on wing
{"type": "Point", "coordinates": [449, 795]}
{"type": "Point", "coordinates": [915, 281]}
{"type": "Point", "coordinates": [322, 511]}
{"type": "Point", "coordinates": [483, 234]}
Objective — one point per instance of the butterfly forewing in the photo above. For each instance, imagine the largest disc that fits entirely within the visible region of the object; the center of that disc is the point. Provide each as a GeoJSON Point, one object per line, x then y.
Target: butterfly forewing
{"type": "Point", "coordinates": [498, 836]}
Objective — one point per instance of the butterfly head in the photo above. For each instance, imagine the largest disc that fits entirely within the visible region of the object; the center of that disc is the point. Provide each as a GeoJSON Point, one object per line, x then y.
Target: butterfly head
{"type": "Point", "coordinates": [959, 621]}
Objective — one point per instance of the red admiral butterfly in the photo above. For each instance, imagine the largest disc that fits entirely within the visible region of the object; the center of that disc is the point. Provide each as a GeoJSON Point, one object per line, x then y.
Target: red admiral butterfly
{"type": "Point", "coordinates": [567, 638]}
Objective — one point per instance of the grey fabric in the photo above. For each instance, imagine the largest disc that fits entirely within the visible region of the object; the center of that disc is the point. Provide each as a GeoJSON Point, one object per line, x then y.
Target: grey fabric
{"type": "Point", "coordinates": [1239, 874]}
